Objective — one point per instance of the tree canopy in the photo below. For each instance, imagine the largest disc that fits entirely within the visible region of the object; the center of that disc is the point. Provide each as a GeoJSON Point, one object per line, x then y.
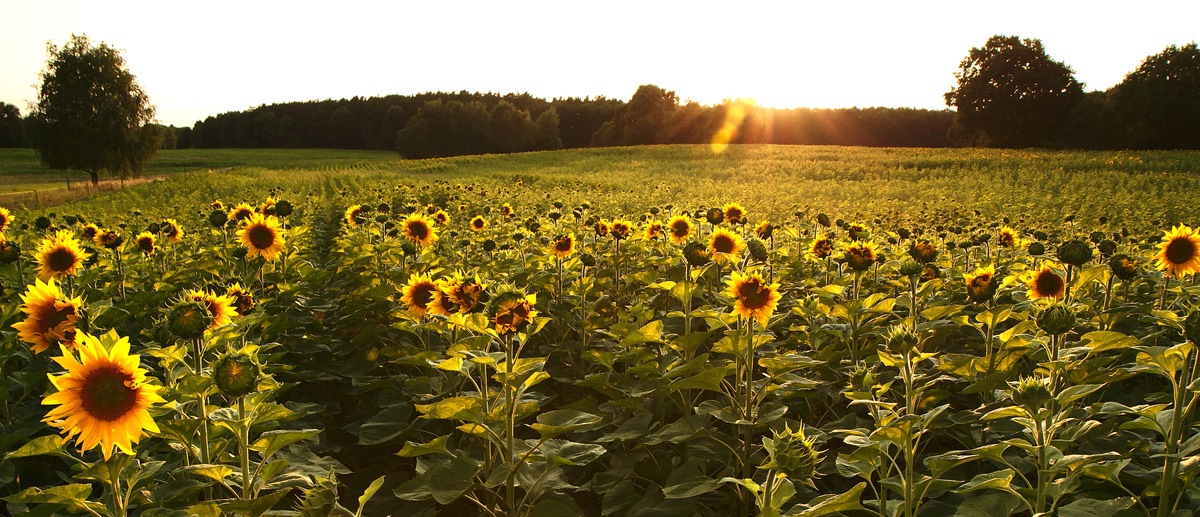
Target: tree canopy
{"type": "Point", "coordinates": [1010, 93]}
{"type": "Point", "coordinates": [91, 113]}
{"type": "Point", "coordinates": [1157, 106]}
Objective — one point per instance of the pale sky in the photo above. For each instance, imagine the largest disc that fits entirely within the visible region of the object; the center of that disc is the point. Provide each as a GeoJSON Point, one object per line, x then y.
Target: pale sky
{"type": "Point", "coordinates": [196, 59]}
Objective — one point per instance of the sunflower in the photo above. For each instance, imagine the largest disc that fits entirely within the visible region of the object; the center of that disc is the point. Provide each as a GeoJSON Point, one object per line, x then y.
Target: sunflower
{"type": "Point", "coordinates": [513, 312]}
{"type": "Point", "coordinates": [5, 218]}
{"type": "Point", "coordinates": [104, 398]}
{"type": "Point", "coordinates": [619, 229]}
{"type": "Point", "coordinates": [417, 229]}
{"type": "Point", "coordinates": [601, 228]}
{"type": "Point", "coordinates": [441, 217]}
{"type": "Point", "coordinates": [653, 231]}
{"type": "Point", "coordinates": [1179, 253]}
{"type": "Point", "coordinates": [464, 293]}
{"type": "Point", "coordinates": [241, 211]}
{"type": "Point", "coordinates": [1009, 237]}
{"type": "Point", "coordinates": [59, 255]}
{"type": "Point", "coordinates": [171, 230]}
{"type": "Point", "coordinates": [724, 243]}
{"type": "Point", "coordinates": [734, 213]}
{"type": "Point", "coordinates": [243, 301]}
{"type": "Point", "coordinates": [145, 242]}
{"type": "Point", "coordinates": [681, 228]}
{"type": "Point", "coordinates": [90, 231]}
{"type": "Point", "coordinates": [821, 248]}
{"type": "Point", "coordinates": [217, 205]}
{"type": "Point", "coordinates": [753, 298]}
{"type": "Point", "coordinates": [109, 239]}
{"type": "Point", "coordinates": [1046, 284]}
{"type": "Point", "coordinates": [50, 316]}
{"type": "Point", "coordinates": [478, 223]}
{"type": "Point", "coordinates": [764, 230]}
{"type": "Point", "coordinates": [261, 235]}
{"type": "Point", "coordinates": [923, 251]}
{"type": "Point", "coordinates": [981, 285]}
{"type": "Point", "coordinates": [268, 206]}
{"type": "Point", "coordinates": [860, 255]}
{"type": "Point", "coordinates": [506, 210]}
{"type": "Point", "coordinates": [353, 215]}
{"type": "Point", "coordinates": [563, 246]}
{"type": "Point", "coordinates": [220, 307]}
{"type": "Point", "coordinates": [418, 293]}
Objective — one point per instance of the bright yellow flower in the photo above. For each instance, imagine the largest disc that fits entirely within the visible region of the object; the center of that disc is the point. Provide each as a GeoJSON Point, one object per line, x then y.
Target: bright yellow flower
{"type": "Point", "coordinates": [261, 235]}
{"type": "Point", "coordinates": [753, 298]}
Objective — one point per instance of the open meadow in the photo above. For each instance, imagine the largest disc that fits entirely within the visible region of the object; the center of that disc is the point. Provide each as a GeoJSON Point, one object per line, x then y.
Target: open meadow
{"type": "Point", "coordinates": [627, 331]}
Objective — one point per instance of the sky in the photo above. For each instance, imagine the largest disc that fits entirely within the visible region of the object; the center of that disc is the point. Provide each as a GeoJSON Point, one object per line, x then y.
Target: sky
{"type": "Point", "coordinates": [196, 59]}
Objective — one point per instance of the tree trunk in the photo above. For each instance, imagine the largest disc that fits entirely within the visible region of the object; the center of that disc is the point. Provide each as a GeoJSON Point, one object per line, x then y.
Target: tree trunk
{"type": "Point", "coordinates": [95, 177]}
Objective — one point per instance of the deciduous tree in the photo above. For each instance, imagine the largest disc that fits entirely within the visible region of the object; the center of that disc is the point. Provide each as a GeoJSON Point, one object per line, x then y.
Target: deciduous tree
{"type": "Point", "coordinates": [1157, 106]}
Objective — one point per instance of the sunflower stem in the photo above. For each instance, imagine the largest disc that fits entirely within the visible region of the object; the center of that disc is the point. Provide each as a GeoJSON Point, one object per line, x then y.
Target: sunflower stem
{"type": "Point", "coordinates": [203, 403]}
{"type": "Point", "coordinates": [244, 446]}
{"type": "Point", "coordinates": [1162, 299]}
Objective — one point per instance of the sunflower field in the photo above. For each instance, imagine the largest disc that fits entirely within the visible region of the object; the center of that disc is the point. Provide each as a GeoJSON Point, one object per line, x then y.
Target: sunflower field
{"type": "Point", "coordinates": [657, 331]}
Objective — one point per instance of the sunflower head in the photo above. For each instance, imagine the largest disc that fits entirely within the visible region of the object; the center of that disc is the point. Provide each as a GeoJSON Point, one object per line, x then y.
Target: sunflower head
{"type": "Point", "coordinates": [563, 246]}
{"type": "Point", "coordinates": [764, 230]}
{"type": "Point", "coordinates": [696, 254]}
{"type": "Point", "coordinates": [441, 217]}
{"type": "Point", "coordinates": [109, 239]}
{"type": "Point", "coordinates": [758, 249]}
{"type": "Point", "coordinates": [90, 231]}
{"type": "Point", "coordinates": [1056, 319]}
{"type": "Point", "coordinates": [241, 212]}
{"type": "Point", "coordinates": [714, 216]}
{"type": "Point", "coordinates": [267, 207]}
{"type": "Point", "coordinates": [354, 216]}
{"type": "Point", "coordinates": [654, 230]}
{"type": "Point", "coordinates": [145, 242]}
{"type": "Point", "coordinates": [418, 294]}
{"type": "Point", "coordinates": [217, 205]}
{"type": "Point", "coordinates": [236, 374]}
{"type": "Point", "coordinates": [752, 297]}
{"type": "Point", "coordinates": [417, 229]}
{"type": "Point", "coordinates": [217, 218]}
{"type": "Point", "coordinates": [465, 293]}
{"type": "Point", "coordinates": [243, 301]}
{"type": "Point", "coordinates": [5, 218]}
{"type": "Point", "coordinates": [1031, 393]}
{"type": "Point", "coordinates": [821, 248]}
{"type": "Point", "coordinates": [512, 311]}
{"type": "Point", "coordinates": [104, 398]}
{"type": "Point", "coordinates": [59, 255]}
{"type": "Point", "coordinates": [900, 340]}
{"type": "Point", "coordinates": [506, 210]}
{"type": "Point", "coordinates": [923, 251]}
{"type": "Point", "coordinates": [680, 228]}
{"type": "Point", "coordinates": [792, 453]}
{"type": "Point", "coordinates": [982, 284]}
{"type": "Point", "coordinates": [734, 213]}
{"type": "Point", "coordinates": [619, 229]}
{"type": "Point", "coordinates": [9, 251]}
{"type": "Point", "coordinates": [220, 307]}
{"type": "Point", "coordinates": [1036, 248]}
{"type": "Point", "coordinates": [261, 235]}
{"type": "Point", "coordinates": [50, 317]}
{"type": "Point", "coordinates": [725, 245]}
{"type": "Point", "coordinates": [1179, 252]}
{"type": "Point", "coordinates": [1009, 237]}
{"type": "Point", "coordinates": [172, 231]}
{"type": "Point", "coordinates": [1123, 266]}
{"type": "Point", "coordinates": [188, 318]}
{"type": "Point", "coordinates": [1075, 252]}
{"type": "Point", "coordinates": [1046, 284]}
{"type": "Point", "coordinates": [860, 256]}
{"type": "Point", "coordinates": [478, 223]}
{"type": "Point", "coordinates": [601, 228]}
{"type": "Point", "coordinates": [857, 231]}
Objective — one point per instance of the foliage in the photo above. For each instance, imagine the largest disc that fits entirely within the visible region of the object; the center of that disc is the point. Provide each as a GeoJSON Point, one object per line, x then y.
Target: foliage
{"type": "Point", "coordinates": [12, 130]}
{"type": "Point", "coordinates": [91, 114]}
{"type": "Point", "coordinates": [1011, 94]}
{"type": "Point", "coordinates": [1157, 106]}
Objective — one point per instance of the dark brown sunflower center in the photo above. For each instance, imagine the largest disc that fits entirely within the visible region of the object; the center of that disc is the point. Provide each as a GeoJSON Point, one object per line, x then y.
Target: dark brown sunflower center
{"type": "Point", "coordinates": [733, 215]}
{"type": "Point", "coordinates": [467, 296]}
{"type": "Point", "coordinates": [145, 244]}
{"type": "Point", "coordinates": [418, 231]}
{"type": "Point", "coordinates": [61, 259]}
{"type": "Point", "coordinates": [563, 245]}
{"type": "Point", "coordinates": [478, 223]}
{"type": "Point", "coordinates": [423, 294]}
{"type": "Point", "coordinates": [680, 229]}
{"type": "Point", "coordinates": [241, 214]}
{"type": "Point", "coordinates": [105, 394]}
{"type": "Point", "coordinates": [723, 244]}
{"type": "Point", "coordinates": [261, 236]}
{"type": "Point", "coordinates": [981, 282]}
{"type": "Point", "coordinates": [1180, 250]}
{"type": "Point", "coordinates": [172, 231]}
{"type": "Point", "coordinates": [753, 295]}
{"type": "Point", "coordinates": [52, 320]}
{"type": "Point", "coordinates": [1049, 283]}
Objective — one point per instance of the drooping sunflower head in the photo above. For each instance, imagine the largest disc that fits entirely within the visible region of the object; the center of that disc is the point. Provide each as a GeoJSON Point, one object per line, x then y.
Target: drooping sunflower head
{"type": "Point", "coordinates": [563, 246]}
{"type": "Point", "coordinates": [619, 228]}
{"type": "Point", "coordinates": [261, 235]}
{"type": "Point", "coordinates": [354, 216]}
{"type": "Point", "coordinates": [478, 223]}
{"type": "Point", "coordinates": [821, 248]}
{"type": "Point", "coordinates": [104, 398]}
{"type": "Point", "coordinates": [9, 251]}
{"type": "Point", "coordinates": [981, 285]}
{"type": "Point", "coordinates": [220, 307]}
{"type": "Point", "coordinates": [90, 231]}
{"type": "Point", "coordinates": [1046, 284]}
{"type": "Point", "coordinates": [416, 228]}
{"type": "Point", "coordinates": [752, 297]}
{"type": "Point", "coordinates": [241, 212]}
{"type": "Point", "coordinates": [243, 301]}
{"type": "Point", "coordinates": [714, 216]}
{"type": "Point", "coordinates": [734, 213]}
{"type": "Point", "coordinates": [1179, 252]}
{"type": "Point", "coordinates": [860, 255]}
{"type": "Point", "coordinates": [441, 217]}
{"type": "Point", "coordinates": [726, 245]}
{"type": "Point", "coordinates": [109, 239]}
{"type": "Point", "coordinates": [1009, 237]}
{"type": "Point", "coordinates": [268, 206]}
{"type": "Point", "coordinates": [923, 251]}
{"type": "Point", "coordinates": [49, 316]}
{"type": "Point", "coordinates": [145, 242]}
{"type": "Point", "coordinates": [512, 312]}
{"type": "Point", "coordinates": [764, 230]}
{"type": "Point", "coordinates": [172, 231]}
{"type": "Point", "coordinates": [654, 230]}
{"type": "Point", "coordinates": [418, 293]}
{"type": "Point", "coordinates": [680, 228]}
{"type": "Point", "coordinates": [5, 218]}
{"type": "Point", "coordinates": [59, 255]}
{"type": "Point", "coordinates": [465, 293]}
{"type": "Point", "coordinates": [1123, 266]}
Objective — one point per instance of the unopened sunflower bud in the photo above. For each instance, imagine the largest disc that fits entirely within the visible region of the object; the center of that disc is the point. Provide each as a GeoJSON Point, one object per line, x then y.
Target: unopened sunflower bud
{"type": "Point", "coordinates": [235, 375]}
{"type": "Point", "coordinates": [1031, 393]}
{"type": "Point", "coordinates": [792, 453]}
{"type": "Point", "coordinates": [187, 319]}
{"type": "Point", "coordinates": [757, 249]}
{"type": "Point", "coordinates": [1075, 252]}
{"type": "Point", "coordinates": [1056, 319]}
